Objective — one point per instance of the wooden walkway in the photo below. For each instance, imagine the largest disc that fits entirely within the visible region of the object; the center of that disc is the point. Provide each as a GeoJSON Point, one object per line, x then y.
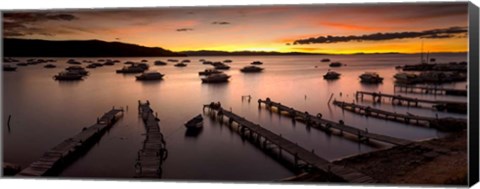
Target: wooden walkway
{"type": "Point", "coordinates": [449, 124]}
{"type": "Point", "coordinates": [450, 106]}
{"type": "Point", "coordinates": [55, 160]}
{"type": "Point", "coordinates": [326, 125]}
{"type": "Point", "coordinates": [154, 152]}
{"type": "Point", "coordinates": [266, 138]}
{"type": "Point", "coordinates": [429, 90]}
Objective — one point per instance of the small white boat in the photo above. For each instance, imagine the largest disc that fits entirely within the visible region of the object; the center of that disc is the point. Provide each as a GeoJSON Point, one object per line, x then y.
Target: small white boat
{"type": "Point", "coordinates": [371, 77]}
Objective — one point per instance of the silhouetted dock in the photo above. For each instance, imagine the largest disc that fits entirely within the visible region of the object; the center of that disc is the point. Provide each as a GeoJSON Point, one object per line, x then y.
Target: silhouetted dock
{"type": "Point", "coordinates": [429, 90]}
{"type": "Point", "coordinates": [59, 157]}
{"type": "Point", "coordinates": [450, 106]}
{"type": "Point", "coordinates": [154, 152]}
{"type": "Point", "coordinates": [449, 124]}
{"type": "Point", "coordinates": [326, 125]}
{"type": "Point", "coordinates": [266, 139]}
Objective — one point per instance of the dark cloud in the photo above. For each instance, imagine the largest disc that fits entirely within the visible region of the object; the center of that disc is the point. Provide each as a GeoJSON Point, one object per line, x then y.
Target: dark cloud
{"type": "Point", "coordinates": [431, 34]}
{"type": "Point", "coordinates": [184, 29]}
{"type": "Point", "coordinates": [24, 24]}
{"type": "Point", "coordinates": [220, 23]}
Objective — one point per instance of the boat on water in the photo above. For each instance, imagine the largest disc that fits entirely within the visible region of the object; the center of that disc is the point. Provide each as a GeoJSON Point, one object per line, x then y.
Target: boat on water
{"type": "Point", "coordinates": [80, 70]}
{"type": "Point", "coordinates": [201, 60]}
{"type": "Point", "coordinates": [336, 64]}
{"type": "Point", "coordinates": [220, 66]}
{"type": "Point", "coordinates": [9, 68]}
{"type": "Point", "coordinates": [251, 69]}
{"type": "Point", "coordinates": [72, 61]}
{"type": "Point", "coordinates": [134, 68]}
{"type": "Point", "coordinates": [186, 61]}
{"type": "Point", "coordinates": [331, 75]}
{"type": "Point", "coordinates": [195, 123]}
{"type": "Point", "coordinates": [49, 66]}
{"type": "Point", "coordinates": [181, 64]}
{"type": "Point", "coordinates": [256, 63]}
{"type": "Point", "coordinates": [208, 72]}
{"type": "Point", "coordinates": [227, 61]}
{"type": "Point", "coordinates": [144, 60]}
{"type": "Point", "coordinates": [150, 76]}
{"type": "Point", "coordinates": [109, 63]}
{"type": "Point", "coordinates": [406, 78]}
{"type": "Point", "coordinates": [160, 63]}
{"type": "Point", "coordinates": [371, 77]}
{"type": "Point", "coordinates": [325, 60]}
{"type": "Point", "coordinates": [68, 76]}
{"type": "Point", "coordinates": [207, 62]}
{"type": "Point", "coordinates": [216, 78]}
{"type": "Point", "coordinates": [172, 60]}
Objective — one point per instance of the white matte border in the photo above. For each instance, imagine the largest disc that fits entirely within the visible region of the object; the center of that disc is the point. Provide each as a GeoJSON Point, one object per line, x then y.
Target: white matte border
{"type": "Point", "coordinates": [103, 184]}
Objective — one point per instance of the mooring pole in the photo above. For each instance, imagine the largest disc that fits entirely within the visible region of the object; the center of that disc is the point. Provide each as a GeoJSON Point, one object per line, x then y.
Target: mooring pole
{"type": "Point", "coordinates": [8, 122]}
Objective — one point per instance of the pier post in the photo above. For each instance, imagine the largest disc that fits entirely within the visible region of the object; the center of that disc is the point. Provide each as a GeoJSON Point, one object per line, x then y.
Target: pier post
{"type": "Point", "coordinates": [8, 122]}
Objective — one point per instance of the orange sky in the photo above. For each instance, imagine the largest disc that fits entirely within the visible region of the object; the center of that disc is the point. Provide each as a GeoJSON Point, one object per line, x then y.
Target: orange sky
{"type": "Point", "coordinates": [261, 28]}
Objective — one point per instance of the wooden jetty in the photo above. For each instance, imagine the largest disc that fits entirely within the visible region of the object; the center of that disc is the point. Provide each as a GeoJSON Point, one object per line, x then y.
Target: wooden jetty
{"type": "Point", "coordinates": [449, 106]}
{"type": "Point", "coordinates": [267, 140]}
{"type": "Point", "coordinates": [154, 152]}
{"type": "Point", "coordinates": [445, 124]}
{"type": "Point", "coordinates": [327, 125]}
{"type": "Point", "coordinates": [429, 90]}
{"type": "Point", "coordinates": [56, 159]}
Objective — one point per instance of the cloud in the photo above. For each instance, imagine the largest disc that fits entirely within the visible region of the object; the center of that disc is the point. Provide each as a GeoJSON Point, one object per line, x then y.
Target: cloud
{"type": "Point", "coordinates": [220, 23]}
{"type": "Point", "coordinates": [23, 24]}
{"type": "Point", "coordinates": [431, 34]}
{"type": "Point", "coordinates": [184, 29]}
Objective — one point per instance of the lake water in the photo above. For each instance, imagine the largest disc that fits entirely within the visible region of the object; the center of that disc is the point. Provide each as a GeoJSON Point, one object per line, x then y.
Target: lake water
{"type": "Point", "coordinates": [46, 112]}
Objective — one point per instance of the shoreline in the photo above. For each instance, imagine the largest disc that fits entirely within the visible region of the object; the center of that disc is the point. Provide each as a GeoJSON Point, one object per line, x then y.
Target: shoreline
{"type": "Point", "coordinates": [439, 161]}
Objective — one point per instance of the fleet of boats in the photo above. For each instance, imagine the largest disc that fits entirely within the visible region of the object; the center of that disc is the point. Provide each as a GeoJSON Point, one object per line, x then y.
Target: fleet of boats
{"type": "Point", "coordinates": [436, 73]}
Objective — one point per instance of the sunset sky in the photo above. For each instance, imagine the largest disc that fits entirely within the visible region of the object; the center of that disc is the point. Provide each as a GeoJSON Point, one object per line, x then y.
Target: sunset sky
{"type": "Point", "coordinates": [338, 29]}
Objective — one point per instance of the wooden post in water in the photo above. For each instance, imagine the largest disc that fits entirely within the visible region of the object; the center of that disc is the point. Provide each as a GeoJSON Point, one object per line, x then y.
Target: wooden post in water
{"type": "Point", "coordinates": [8, 122]}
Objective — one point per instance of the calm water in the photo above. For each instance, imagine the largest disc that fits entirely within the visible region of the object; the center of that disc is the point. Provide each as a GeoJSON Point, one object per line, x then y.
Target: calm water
{"type": "Point", "coordinates": [45, 112]}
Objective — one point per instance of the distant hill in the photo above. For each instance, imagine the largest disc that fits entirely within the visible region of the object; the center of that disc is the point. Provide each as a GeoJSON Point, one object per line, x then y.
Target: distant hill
{"type": "Point", "coordinates": [88, 48]}
{"type": "Point", "coordinates": [241, 53]}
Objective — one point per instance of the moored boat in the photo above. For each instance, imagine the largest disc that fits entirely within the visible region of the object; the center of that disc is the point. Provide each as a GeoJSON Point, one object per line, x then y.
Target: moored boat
{"type": "Point", "coordinates": [251, 69]}
{"type": "Point", "coordinates": [78, 69]}
{"type": "Point", "coordinates": [331, 75]}
{"type": "Point", "coordinates": [227, 61]}
{"type": "Point", "coordinates": [49, 66]}
{"type": "Point", "coordinates": [216, 78]}
{"type": "Point", "coordinates": [68, 76]}
{"type": "Point", "coordinates": [148, 76]}
{"type": "Point", "coordinates": [220, 66]}
{"type": "Point", "coordinates": [195, 123]}
{"type": "Point", "coordinates": [336, 64]}
{"type": "Point", "coordinates": [325, 60]}
{"type": "Point", "coordinates": [181, 64]}
{"type": "Point", "coordinates": [208, 72]}
{"type": "Point", "coordinates": [160, 63]}
{"type": "Point", "coordinates": [256, 63]}
{"type": "Point", "coordinates": [371, 77]}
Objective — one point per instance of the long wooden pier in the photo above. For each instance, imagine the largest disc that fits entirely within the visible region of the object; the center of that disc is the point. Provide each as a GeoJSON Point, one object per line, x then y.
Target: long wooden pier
{"type": "Point", "coordinates": [266, 139]}
{"type": "Point", "coordinates": [56, 159]}
{"type": "Point", "coordinates": [154, 151]}
{"type": "Point", "coordinates": [429, 90]}
{"type": "Point", "coordinates": [326, 125]}
{"type": "Point", "coordinates": [446, 124]}
{"type": "Point", "coordinates": [440, 105]}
